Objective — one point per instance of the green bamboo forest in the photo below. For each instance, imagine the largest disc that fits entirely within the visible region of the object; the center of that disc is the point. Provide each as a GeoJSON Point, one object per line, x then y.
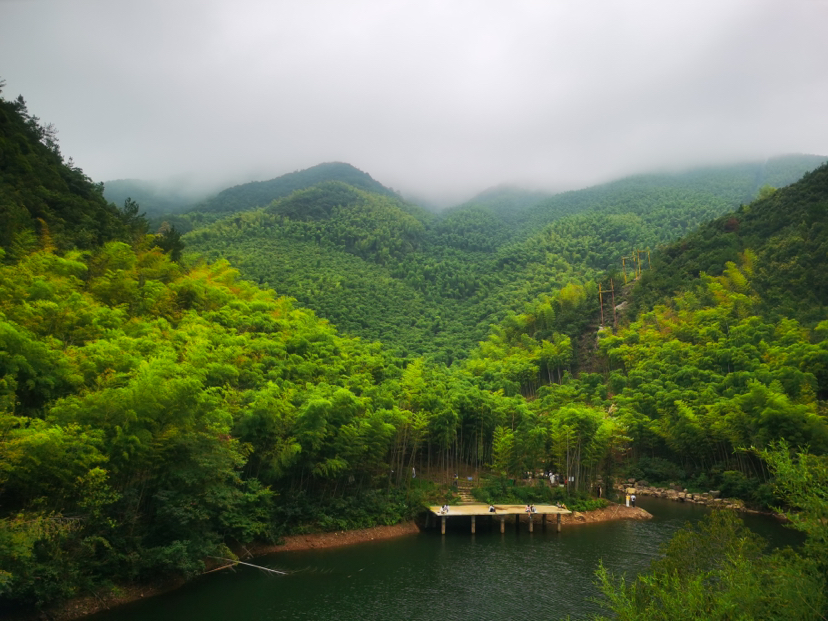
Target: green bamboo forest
{"type": "Point", "coordinates": [276, 359]}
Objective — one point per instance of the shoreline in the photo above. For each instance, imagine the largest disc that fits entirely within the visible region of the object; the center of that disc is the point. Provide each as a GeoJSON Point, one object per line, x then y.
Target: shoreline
{"type": "Point", "coordinates": [83, 606]}
{"type": "Point", "coordinates": [610, 513]}
{"type": "Point", "coordinates": [711, 499]}
{"type": "Point", "coordinates": [337, 539]}
{"type": "Point", "coordinates": [80, 607]}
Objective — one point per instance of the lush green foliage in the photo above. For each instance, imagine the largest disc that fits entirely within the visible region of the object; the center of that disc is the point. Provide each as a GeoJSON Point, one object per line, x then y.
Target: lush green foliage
{"type": "Point", "coordinates": [506, 491]}
{"type": "Point", "coordinates": [719, 570]}
{"type": "Point", "coordinates": [787, 234]}
{"type": "Point", "coordinates": [714, 188]}
{"type": "Point", "coordinates": [708, 373]}
{"type": "Point", "coordinates": [44, 200]}
{"type": "Point", "coordinates": [155, 408]}
{"type": "Point", "coordinates": [381, 269]}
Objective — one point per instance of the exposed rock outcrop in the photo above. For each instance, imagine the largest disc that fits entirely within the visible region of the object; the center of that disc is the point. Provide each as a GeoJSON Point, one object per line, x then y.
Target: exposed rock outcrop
{"type": "Point", "coordinates": [711, 499]}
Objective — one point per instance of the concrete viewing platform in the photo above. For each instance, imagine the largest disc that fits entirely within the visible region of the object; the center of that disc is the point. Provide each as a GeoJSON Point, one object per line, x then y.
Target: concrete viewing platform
{"type": "Point", "coordinates": [501, 511]}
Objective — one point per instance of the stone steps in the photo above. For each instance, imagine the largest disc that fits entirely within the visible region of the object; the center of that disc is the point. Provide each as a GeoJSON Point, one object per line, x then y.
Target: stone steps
{"type": "Point", "coordinates": [464, 491]}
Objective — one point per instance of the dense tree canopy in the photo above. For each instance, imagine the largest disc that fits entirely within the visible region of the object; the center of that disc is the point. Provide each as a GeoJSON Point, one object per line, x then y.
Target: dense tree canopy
{"type": "Point", "coordinates": [44, 200]}
{"type": "Point", "coordinates": [156, 407]}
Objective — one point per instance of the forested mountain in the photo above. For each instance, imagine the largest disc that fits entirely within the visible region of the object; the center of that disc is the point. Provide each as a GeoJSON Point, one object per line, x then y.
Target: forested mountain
{"type": "Point", "coordinates": [261, 193]}
{"type": "Point", "coordinates": [783, 237]}
{"type": "Point", "coordinates": [718, 189]}
{"type": "Point", "coordinates": [506, 201]}
{"type": "Point", "coordinates": [438, 292]}
{"type": "Point", "coordinates": [44, 201]}
{"type": "Point", "coordinates": [157, 409]}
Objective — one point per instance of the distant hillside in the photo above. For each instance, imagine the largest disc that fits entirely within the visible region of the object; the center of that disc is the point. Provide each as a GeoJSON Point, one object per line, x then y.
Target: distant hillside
{"type": "Point", "coordinates": [786, 232]}
{"type": "Point", "coordinates": [43, 199]}
{"type": "Point", "coordinates": [726, 186]}
{"type": "Point", "coordinates": [507, 201]}
{"type": "Point", "coordinates": [513, 215]}
{"type": "Point", "coordinates": [434, 284]}
{"type": "Point", "coordinates": [261, 193]}
{"type": "Point", "coordinates": [154, 198]}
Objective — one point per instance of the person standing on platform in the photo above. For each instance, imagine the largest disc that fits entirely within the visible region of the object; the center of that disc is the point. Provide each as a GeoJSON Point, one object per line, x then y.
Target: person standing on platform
{"type": "Point", "coordinates": [632, 500]}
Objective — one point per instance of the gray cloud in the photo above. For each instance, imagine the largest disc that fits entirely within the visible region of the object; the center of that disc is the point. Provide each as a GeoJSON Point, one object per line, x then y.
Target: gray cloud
{"type": "Point", "coordinates": [439, 98]}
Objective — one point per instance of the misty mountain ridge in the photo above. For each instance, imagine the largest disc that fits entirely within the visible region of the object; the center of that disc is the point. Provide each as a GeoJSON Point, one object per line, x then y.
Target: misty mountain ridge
{"type": "Point", "coordinates": [514, 204]}
{"type": "Point", "coordinates": [380, 268]}
{"type": "Point", "coordinates": [261, 193]}
{"type": "Point", "coordinates": [156, 197]}
{"type": "Point", "coordinates": [732, 184]}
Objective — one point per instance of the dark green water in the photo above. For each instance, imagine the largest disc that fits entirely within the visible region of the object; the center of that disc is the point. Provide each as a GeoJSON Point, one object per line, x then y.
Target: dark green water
{"type": "Point", "coordinates": [543, 575]}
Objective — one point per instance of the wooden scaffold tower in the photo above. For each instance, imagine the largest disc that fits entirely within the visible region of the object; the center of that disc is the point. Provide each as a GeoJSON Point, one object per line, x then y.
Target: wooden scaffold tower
{"type": "Point", "coordinates": [635, 260]}
{"type": "Point", "coordinates": [601, 293]}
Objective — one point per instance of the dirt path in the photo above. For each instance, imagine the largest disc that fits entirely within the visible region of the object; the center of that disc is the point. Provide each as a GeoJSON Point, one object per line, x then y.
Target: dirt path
{"type": "Point", "coordinates": [607, 514]}
{"type": "Point", "coordinates": [337, 539]}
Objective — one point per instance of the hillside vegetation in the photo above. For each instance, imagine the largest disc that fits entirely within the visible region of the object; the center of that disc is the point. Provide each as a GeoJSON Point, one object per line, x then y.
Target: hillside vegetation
{"type": "Point", "coordinates": [786, 236]}
{"type": "Point", "coordinates": [384, 270]}
{"type": "Point", "coordinates": [157, 408]}
{"type": "Point", "coordinates": [43, 199]}
{"type": "Point", "coordinates": [261, 193]}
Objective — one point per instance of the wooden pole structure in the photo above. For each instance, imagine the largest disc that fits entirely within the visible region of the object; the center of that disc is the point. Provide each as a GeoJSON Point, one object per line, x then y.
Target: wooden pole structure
{"type": "Point", "coordinates": [502, 524]}
{"type": "Point", "coordinates": [624, 267]}
{"type": "Point", "coordinates": [443, 526]}
{"type": "Point", "coordinates": [230, 560]}
{"type": "Point", "coordinates": [543, 521]}
{"type": "Point", "coordinates": [614, 316]}
{"type": "Point", "coordinates": [559, 522]}
{"type": "Point", "coordinates": [530, 522]}
{"type": "Point", "coordinates": [517, 523]}
{"type": "Point", "coordinates": [473, 528]}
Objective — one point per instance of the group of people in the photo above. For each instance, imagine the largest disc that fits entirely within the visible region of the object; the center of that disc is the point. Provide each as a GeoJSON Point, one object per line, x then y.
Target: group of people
{"type": "Point", "coordinates": [558, 479]}
{"type": "Point", "coordinates": [529, 508]}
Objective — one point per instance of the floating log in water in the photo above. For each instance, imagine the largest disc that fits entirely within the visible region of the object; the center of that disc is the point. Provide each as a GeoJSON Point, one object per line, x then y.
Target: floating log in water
{"type": "Point", "coordinates": [209, 571]}
{"type": "Point", "coordinates": [230, 560]}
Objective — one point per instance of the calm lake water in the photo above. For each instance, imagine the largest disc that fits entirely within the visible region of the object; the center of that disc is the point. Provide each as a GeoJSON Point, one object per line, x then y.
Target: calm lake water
{"type": "Point", "coordinates": [543, 575]}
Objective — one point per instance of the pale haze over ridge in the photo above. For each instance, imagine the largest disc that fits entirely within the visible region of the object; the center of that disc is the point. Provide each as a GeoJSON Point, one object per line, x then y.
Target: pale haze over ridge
{"type": "Point", "coordinates": [439, 99]}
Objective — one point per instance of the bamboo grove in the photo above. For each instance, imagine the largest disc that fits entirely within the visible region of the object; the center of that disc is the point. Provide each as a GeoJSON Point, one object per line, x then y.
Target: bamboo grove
{"type": "Point", "coordinates": [156, 407]}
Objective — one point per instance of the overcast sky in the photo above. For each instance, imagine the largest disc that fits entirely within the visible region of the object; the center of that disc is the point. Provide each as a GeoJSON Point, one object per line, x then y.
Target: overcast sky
{"type": "Point", "coordinates": [437, 98]}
